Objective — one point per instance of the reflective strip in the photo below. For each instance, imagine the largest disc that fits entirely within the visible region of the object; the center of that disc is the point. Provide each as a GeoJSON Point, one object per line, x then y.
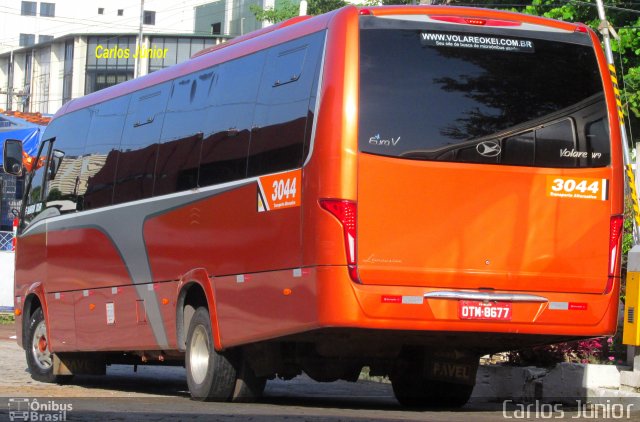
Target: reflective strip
{"type": "Point", "coordinates": [634, 194]}
{"type": "Point", "coordinates": [412, 300]}
{"type": "Point", "coordinates": [616, 91]}
{"type": "Point", "coordinates": [559, 306]}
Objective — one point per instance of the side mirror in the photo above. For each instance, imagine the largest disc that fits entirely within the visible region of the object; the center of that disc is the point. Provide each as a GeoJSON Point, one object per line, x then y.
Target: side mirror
{"type": "Point", "coordinates": [12, 153]}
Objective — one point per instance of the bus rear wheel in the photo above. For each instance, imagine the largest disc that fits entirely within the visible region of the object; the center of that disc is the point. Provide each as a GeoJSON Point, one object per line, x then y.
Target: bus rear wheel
{"type": "Point", "coordinates": [414, 391]}
{"type": "Point", "coordinates": [210, 375]}
{"type": "Point", "coordinates": [38, 353]}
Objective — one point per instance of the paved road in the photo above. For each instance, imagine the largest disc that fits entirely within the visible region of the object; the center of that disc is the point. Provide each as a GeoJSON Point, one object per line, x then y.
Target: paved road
{"type": "Point", "coordinates": [160, 394]}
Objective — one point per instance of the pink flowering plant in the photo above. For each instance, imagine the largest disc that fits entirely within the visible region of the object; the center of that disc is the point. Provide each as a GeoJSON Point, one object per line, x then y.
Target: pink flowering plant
{"type": "Point", "coordinates": [601, 350]}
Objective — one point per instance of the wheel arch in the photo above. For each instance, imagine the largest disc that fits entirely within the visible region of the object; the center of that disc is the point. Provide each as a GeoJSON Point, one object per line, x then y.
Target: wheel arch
{"type": "Point", "coordinates": [194, 290]}
{"type": "Point", "coordinates": [34, 299]}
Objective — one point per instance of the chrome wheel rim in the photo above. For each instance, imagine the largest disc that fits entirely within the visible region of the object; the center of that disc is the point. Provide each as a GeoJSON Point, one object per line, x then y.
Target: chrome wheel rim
{"type": "Point", "coordinates": [199, 355]}
{"type": "Point", "coordinates": [40, 347]}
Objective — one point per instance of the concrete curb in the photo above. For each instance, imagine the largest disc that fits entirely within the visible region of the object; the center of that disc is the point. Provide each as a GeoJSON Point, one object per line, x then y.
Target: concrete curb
{"type": "Point", "coordinates": [571, 384]}
{"type": "Point", "coordinates": [566, 383]}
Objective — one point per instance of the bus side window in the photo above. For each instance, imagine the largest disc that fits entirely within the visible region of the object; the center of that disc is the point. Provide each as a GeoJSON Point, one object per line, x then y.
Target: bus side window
{"type": "Point", "coordinates": [280, 122]}
{"type": "Point", "coordinates": [66, 188]}
{"type": "Point", "coordinates": [228, 124]}
{"type": "Point", "coordinates": [34, 201]}
{"type": "Point", "coordinates": [181, 140]}
{"type": "Point", "coordinates": [139, 144]}
{"type": "Point", "coordinates": [101, 151]}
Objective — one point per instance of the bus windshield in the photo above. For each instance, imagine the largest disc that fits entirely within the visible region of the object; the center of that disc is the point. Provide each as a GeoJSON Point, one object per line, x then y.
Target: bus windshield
{"type": "Point", "coordinates": [488, 96]}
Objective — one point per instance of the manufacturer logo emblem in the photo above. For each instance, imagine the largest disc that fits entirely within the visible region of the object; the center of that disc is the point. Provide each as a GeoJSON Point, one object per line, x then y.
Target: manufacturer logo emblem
{"type": "Point", "coordinates": [489, 148]}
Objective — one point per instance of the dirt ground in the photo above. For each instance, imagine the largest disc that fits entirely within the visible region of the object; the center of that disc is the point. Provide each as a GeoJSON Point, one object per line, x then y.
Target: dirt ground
{"type": "Point", "coordinates": [7, 331]}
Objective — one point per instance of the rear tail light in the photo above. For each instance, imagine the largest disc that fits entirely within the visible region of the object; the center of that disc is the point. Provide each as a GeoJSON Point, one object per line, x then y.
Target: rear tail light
{"type": "Point", "coordinates": [615, 246]}
{"type": "Point", "coordinates": [581, 28]}
{"type": "Point", "coordinates": [346, 212]}
{"type": "Point", "coordinates": [474, 21]}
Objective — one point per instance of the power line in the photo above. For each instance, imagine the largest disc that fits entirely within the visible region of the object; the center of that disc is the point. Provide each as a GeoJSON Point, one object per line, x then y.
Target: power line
{"type": "Point", "coordinates": [563, 3]}
{"type": "Point", "coordinates": [623, 9]}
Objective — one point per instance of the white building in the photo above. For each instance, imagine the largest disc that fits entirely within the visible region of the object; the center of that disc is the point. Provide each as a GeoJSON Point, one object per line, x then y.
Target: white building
{"type": "Point", "coordinates": [55, 50]}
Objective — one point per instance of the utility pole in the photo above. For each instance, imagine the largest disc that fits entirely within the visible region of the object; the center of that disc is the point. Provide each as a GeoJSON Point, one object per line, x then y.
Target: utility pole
{"type": "Point", "coordinates": [10, 82]}
{"type": "Point", "coordinates": [606, 29]}
{"type": "Point", "coordinates": [136, 72]}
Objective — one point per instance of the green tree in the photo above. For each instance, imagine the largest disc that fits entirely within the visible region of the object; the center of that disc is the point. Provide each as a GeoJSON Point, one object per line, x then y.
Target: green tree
{"type": "Point", "coordinates": [286, 10]}
{"type": "Point", "coordinates": [318, 7]}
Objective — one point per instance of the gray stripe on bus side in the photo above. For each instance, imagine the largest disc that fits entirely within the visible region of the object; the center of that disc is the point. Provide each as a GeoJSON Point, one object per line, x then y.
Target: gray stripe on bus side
{"type": "Point", "coordinates": [124, 226]}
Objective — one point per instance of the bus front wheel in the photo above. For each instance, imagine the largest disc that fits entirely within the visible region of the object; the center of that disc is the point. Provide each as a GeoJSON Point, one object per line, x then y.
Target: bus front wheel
{"type": "Point", "coordinates": [38, 353]}
{"type": "Point", "coordinates": [210, 375]}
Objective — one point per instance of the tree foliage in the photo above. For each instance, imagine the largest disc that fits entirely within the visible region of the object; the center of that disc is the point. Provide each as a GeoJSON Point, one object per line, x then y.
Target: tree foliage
{"type": "Point", "coordinates": [318, 7]}
{"type": "Point", "coordinates": [283, 11]}
{"type": "Point", "coordinates": [286, 9]}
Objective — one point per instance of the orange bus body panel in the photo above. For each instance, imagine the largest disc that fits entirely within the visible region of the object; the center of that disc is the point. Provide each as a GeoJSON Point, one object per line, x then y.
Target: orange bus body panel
{"type": "Point", "coordinates": [471, 226]}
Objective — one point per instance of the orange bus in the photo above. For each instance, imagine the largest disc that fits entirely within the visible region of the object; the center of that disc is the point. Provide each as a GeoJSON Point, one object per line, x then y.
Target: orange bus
{"type": "Point", "coordinates": [404, 188]}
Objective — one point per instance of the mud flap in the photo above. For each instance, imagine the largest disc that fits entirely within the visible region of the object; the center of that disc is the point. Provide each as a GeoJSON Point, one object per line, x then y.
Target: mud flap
{"type": "Point", "coordinates": [448, 369]}
{"type": "Point", "coordinates": [78, 363]}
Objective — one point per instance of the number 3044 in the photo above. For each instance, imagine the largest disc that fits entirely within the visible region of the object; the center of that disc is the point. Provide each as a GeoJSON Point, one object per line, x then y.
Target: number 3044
{"type": "Point", "coordinates": [572, 185]}
{"type": "Point", "coordinates": [577, 188]}
{"type": "Point", "coordinates": [284, 189]}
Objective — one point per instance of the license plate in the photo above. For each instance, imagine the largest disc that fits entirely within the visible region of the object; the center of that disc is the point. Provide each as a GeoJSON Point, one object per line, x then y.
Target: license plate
{"type": "Point", "coordinates": [476, 309]}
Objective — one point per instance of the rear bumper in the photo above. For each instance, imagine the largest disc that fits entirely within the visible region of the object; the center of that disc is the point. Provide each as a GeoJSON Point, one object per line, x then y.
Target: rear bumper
{"type": "Point", "coordinates": [342, 303]}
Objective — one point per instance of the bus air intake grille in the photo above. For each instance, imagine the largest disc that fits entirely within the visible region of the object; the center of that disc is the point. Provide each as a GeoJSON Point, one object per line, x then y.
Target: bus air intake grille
{"type": "Point", "coordinates": [631, 315]}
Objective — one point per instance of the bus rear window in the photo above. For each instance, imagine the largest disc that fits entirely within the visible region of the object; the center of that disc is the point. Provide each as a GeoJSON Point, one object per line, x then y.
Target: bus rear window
{"type": "Point", "coordinates": [495, 97]}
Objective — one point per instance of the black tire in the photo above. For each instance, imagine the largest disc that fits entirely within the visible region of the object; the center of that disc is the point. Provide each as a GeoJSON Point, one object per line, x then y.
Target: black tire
{"type": "Point", "coordinates": [248, 387]}
{"type": "Point", "coordinates": [39, 357]}
{"type": "Point", "coordinates": [210, 375]}
{"type": "Point", "coordinates": [414, 391]}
